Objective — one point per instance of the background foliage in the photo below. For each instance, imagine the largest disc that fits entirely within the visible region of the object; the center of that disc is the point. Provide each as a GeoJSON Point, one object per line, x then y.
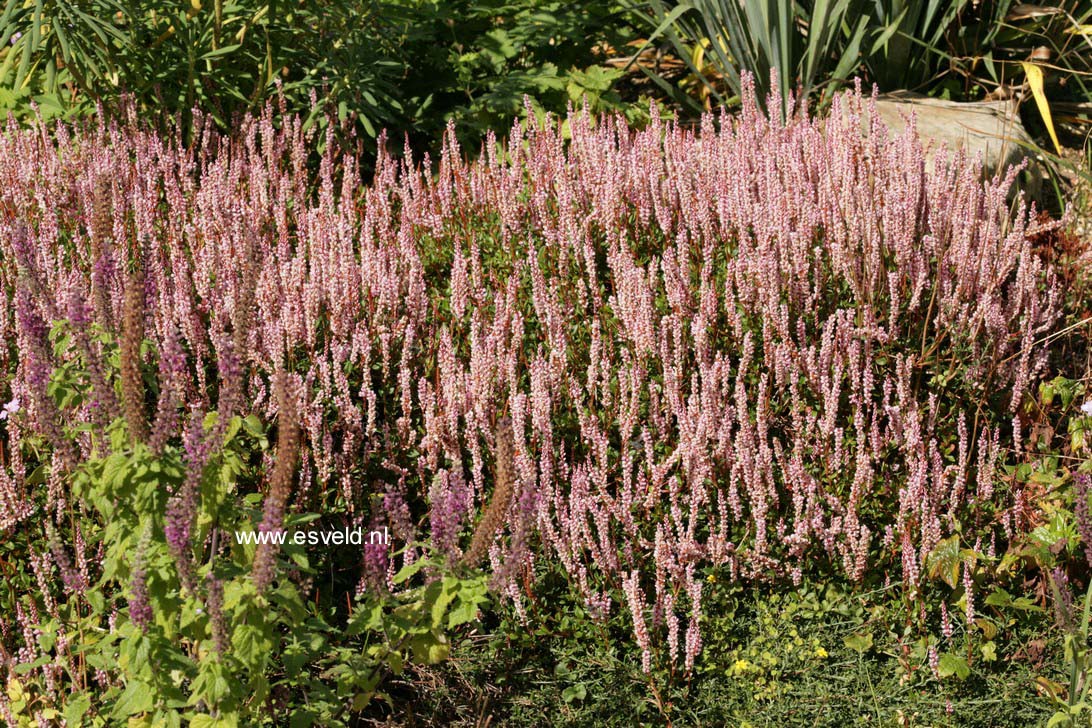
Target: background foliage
{"type": "Point", "coordinates": [409, 66]}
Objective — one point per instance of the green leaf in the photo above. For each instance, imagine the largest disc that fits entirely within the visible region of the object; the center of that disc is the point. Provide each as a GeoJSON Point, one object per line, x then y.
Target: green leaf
{"type": "Point", "coordinates": [999, 598]}
{"type": "Point", "coordinates": [430, 649]}
{"type": "Point", "coordinates": [253, 425]}
{"type": "Point", "coordinates": [77, 706]}
{"type": "Point", "coordinates": [1046, 393]}
{"type": "Point", "coordinates": [367, 618]}
{"type": "Point", "coordinates": [136, 698]}
{"type": "Point", "coordinates": [859, 642]}
{"type": "Point", "coordinates": [446, 594]}
{"type": "Point", "coordinates": [953, 665]}
{"type": "Point", "coordinates": [406, 572]}
{"type": "Point", "coordinates": [575, 693]}
{"type": "Point", "coordinates": [27, 667]}
{"type": "Point", "coordinates": [303, 718]}
{"type": "Point", "coordinates": [464, 611]}
{"type": "Point", "coordinates": [211, 685]}
{"type": "Point", "coordinates": [136, 651]}
{"type": "Point", "coordinates": [294, 658]}
{"type": "Point", "coordinates": [47, 639]}
{"type": "Point", "coordinates": [945, 561]}
{"type": "Point", "coordinates": [1060, 717]}
{"type": "Point", "coordinates": [222, 51]}
{"type": "Point", "coordinates": [250, 644]}
{"type": "Point", "coordinates": [1026, 605]}
{"type": "Point", "coordinates": [38, 475]}
{"type": "Point", "coordinates": [395, 661]}
{"type": "Point", "coordinates": [224, 720]}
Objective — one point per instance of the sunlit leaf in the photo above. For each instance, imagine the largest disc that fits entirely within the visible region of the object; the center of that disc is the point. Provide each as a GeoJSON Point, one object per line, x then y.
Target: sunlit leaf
{"type": "Point", "coordinates": [1035, 82]}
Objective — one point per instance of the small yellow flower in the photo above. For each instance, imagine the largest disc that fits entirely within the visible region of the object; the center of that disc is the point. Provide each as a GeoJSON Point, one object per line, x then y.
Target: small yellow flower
{"type": "Point", "coordinates": [821, 653]}
{"type": "Point", "coordinates": [740, 667]}
{"type": "Point", "coordinates": [712, 578]}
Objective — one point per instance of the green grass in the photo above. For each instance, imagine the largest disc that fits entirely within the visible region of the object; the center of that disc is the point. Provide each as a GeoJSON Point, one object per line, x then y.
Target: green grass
{"type": "Point", "coordinates": [810, 656]}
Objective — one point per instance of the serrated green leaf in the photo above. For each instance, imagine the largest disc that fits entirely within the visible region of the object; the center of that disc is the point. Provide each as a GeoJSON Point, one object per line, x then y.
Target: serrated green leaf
{"type": "Point", "coordinates": [136, 698]}
{"type": "Point", "coordinates": [76, 707]}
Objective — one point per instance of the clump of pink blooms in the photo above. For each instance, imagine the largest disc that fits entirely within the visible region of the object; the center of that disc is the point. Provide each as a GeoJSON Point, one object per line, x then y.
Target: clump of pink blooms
{"type": "Point", "coordinates": [753, 345]}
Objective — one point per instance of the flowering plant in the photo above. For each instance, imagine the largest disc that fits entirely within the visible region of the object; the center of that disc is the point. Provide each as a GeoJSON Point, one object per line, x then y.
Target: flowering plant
{"type": "Point", "coordinates": [178, 622]}
{"type": "Point", "coordinates": [758, 347]}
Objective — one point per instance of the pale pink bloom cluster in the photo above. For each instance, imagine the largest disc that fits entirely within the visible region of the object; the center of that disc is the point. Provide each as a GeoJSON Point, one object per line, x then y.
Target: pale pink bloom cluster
{"type": "Point", "coordinates": [751, 345]}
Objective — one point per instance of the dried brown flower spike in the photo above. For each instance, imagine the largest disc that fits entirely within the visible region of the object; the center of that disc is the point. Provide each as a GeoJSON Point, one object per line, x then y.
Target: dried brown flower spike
{"type": "Point", "coordinates": [132, 335]}
{"type": "Point", "coordinates": [280, 480]}
{"type": "Point", "coordinates": [503, 489]}
{"type": "Point", "coordinates": [101, 230]}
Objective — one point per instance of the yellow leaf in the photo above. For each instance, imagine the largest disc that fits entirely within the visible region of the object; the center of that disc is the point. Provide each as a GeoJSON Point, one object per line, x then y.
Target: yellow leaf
{"type": "Point", "coordinates": [697, 55]}
{"type": "Point", "coordinates": [15, 690]}
{"type": "Point", "coordinates": [1050, 688]}
{"type": "Point", "coordinates": [1080, 30]}
{"type": "Point", "coordinates": [1035, 81]}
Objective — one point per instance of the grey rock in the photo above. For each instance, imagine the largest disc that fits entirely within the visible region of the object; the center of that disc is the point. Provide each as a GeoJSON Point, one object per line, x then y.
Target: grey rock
{"type": "Point", "coordinates": [991, 129]}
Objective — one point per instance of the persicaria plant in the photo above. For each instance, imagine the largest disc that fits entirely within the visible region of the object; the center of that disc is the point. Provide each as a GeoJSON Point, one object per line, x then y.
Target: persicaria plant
{"type": "Point", "coordinates": [632, 355]}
